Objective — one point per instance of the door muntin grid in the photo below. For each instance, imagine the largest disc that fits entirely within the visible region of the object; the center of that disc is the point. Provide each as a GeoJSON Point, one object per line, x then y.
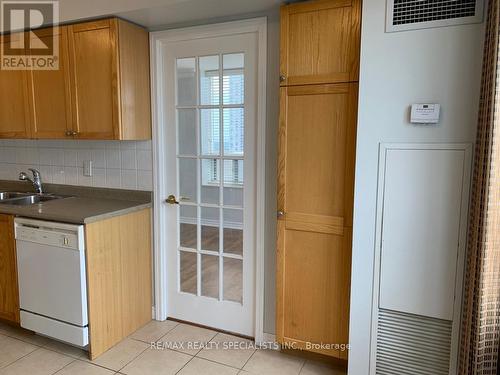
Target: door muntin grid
{"type": "Point", "coordinates": [210, 175]}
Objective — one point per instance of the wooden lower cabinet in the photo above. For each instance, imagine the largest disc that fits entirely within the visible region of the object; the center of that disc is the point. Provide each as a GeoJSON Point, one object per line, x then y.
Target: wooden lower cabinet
{"type": "Point", "coordinates": [315, 202]}
{"type": "Point", "coordinates": [9, 294]}
{"type": "Point", "coordinates": [119, 278]}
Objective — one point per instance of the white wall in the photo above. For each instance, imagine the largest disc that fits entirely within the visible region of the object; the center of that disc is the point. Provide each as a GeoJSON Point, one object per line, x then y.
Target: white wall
{"type": "Point", "coordinates": [121, 165]}
{"type": "Point", "coordinates": [441, 65]}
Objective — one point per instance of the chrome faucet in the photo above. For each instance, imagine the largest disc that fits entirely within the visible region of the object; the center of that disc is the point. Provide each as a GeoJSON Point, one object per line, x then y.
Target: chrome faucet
{"type": "Point", "coordinates": [36, 181]}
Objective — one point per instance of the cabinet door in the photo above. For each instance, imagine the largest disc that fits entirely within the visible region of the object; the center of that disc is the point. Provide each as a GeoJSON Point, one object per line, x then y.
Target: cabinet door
{"type": "Point", "coordinates": [315, 200]}
{"type": "Point", "coordinates": [14, 112]}
{"type": "Point", "coordinates": [320, 42]}
{"type": "Point", "coordinates": [9, 293]}
{"type": "Point", "coordinates": [93, 60]}
{"type": "Point", "coordinates": [50, 94]}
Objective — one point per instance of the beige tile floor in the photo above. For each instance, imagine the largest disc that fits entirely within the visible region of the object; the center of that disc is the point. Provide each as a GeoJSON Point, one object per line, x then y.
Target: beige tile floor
{"type": "Point", "coordinates": [22, 353]}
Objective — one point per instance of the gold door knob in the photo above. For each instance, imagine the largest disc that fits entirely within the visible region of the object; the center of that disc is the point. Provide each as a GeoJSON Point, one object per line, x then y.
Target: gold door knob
{"type": "Point", "coordinates": [171, 199]}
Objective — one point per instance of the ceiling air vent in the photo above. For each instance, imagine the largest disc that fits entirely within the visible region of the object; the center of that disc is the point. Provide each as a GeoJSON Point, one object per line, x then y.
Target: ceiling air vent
{"type": "Point", "coordinates": [420, 14]}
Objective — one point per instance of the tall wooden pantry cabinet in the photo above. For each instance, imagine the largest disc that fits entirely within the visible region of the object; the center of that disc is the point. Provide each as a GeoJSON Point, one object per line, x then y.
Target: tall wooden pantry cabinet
{"type": "Point", "coordinates": [320, 42]}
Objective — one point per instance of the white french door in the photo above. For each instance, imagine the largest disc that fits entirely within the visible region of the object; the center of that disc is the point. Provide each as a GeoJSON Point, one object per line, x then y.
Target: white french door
{"type": "Point", "coordinates": [210, 122]}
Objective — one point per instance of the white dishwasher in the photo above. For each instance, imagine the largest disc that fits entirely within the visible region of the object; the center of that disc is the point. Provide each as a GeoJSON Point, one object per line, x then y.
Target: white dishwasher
{"type": "Point", "coordinates": [52, 279]}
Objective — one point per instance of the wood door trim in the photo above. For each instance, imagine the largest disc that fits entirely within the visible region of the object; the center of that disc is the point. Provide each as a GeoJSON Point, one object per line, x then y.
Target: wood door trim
{"type": "Point", "coordinates": [332, 88]}
{"type": "Point", "coordinates": [350, 160]}
{"type": "Point", "coordinates": [116, 80]}
{"type": "Point", "coordinates": [315, 227]}
{"type": "Point", "coordinates": [280, 285]}
{"type": "Point", "coordinates": [315, 223]}
{"type": "Point", "coordinates": [27, 110]}
{"type": "Point", "coordinates": [319, 79]}
{"type": "Point", "coordinates": [72, 79]}
{"type": "Point", "coordinates": [313, 6]}
{"type": "Point", "coordinates": [355, 45]}
{"type": "Point", "coordinates": [282, 150]}
{"type": "Point", "coordinates": [284, 15]}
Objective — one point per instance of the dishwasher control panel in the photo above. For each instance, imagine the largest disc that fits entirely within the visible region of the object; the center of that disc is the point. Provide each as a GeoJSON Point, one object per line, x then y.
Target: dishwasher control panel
{"type": "Point", "coordinates": [52, 234]}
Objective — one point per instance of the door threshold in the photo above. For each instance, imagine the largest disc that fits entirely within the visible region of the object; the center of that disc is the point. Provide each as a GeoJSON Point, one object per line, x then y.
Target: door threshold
{"type": "Point", "coordinates": [212, 328]}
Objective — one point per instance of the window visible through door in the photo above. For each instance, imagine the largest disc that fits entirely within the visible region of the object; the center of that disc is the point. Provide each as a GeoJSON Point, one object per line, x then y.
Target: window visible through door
{"type": "Point", "coordinates": [233, 88]}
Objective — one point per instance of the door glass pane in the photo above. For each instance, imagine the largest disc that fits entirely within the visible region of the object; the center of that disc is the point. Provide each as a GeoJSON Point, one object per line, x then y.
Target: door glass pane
{"type": "Point", "coordinates": [233, 172]}
{"type": "Point", "coordinates": [234, 130]}
{"type": "Point", "coordinates": [210, 131]}
{"type": "Point", "coordinates": [186, 81]}
{"type": "Point", "coordinates": [188, 272]}
{"type": "Point", "coordinates": [233, 84]}
{"type": "Point", "coordinates": [233, 196]}
{"type": "Point", "coordinates": [233, 280]}
{"type": "Point", "coordinates": [210, 181]}
{"type": "Point", "coordinates": [187, 179]}
{"type": "Point", "coordinates": [210, 276]}
{"type": "Point", "coordinates": [188, 227]}
{"type": "Point", "coordinates": [233, 231]}
{"type": "Point", "coordinates": [233, 183]}
{"type": "Point", "coordinates": [187, 131]}
{"type": "Point", "coordinates": [209, 80]}
{"type": "Point", "coordinates": [210, 223]}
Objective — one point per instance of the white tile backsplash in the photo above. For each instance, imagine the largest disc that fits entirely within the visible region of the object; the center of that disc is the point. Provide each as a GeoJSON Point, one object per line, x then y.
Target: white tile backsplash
{"type": "Point", "coordinates": [126, 165]}
{"type": "Point", "coordinates": [129, 159]}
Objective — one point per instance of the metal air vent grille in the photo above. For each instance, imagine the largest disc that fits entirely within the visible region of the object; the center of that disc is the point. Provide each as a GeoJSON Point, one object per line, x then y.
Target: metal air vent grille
{"type": "Point", "coordinates": [412, 345]}
{"type": "Point", "coordinates": [415, 14]}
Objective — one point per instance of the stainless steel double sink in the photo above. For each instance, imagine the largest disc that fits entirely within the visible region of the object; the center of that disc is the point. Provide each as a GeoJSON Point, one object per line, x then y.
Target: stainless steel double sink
{"type": "Point", "coordinates": [26, 199]}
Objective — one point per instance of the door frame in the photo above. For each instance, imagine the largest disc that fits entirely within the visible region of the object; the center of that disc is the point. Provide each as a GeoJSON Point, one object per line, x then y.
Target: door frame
{"type": "Point", "coordinates": [157, 40]}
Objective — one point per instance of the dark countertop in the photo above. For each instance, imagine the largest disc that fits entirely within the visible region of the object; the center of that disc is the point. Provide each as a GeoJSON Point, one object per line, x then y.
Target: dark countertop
{"type": "Point", "coordinates": [86, 205]}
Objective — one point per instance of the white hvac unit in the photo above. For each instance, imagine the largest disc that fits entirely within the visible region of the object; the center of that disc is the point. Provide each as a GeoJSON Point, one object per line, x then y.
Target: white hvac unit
{"type": "Point", "coordinates": [419, 259]}
{"type": "Point", "coordinates": [420, 14]}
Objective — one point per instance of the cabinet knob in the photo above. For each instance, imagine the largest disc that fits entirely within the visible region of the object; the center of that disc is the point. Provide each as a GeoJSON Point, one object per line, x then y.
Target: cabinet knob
{"type": "Point", "coordinates": [282, 78]}
{"type": "Point", "coordinates": [280, 214]}
{"type": "Point", "coordinates": [69, 133]}
{"type": "Point", "coordinates": [74, 133]}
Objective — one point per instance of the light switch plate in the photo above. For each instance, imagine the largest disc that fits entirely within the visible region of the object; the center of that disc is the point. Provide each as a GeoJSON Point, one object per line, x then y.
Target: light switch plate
{"type": "Point", "coordinates": [87, 168]}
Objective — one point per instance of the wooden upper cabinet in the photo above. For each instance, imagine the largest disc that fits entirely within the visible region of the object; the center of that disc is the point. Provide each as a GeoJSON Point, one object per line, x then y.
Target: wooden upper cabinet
{"type": "Point", "coordinates": [93, 59]}
{"type": "Point", "coordinates": [50, 93]}
{"type": "Point", "coordinates": [9, 290]}
{"type": "Point", "coordinates": [14, 112]}
{"type": "Point", "coordinates": [100, 91]}
{"type": "Point", "coordinates": [320, 42]}
{"type": "Point", "coordinates": [109, 71]}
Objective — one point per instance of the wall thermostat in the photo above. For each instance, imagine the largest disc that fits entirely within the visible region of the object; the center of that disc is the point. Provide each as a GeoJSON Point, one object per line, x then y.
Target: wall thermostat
{"type": "Point", "coordinates": [425, 113]}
